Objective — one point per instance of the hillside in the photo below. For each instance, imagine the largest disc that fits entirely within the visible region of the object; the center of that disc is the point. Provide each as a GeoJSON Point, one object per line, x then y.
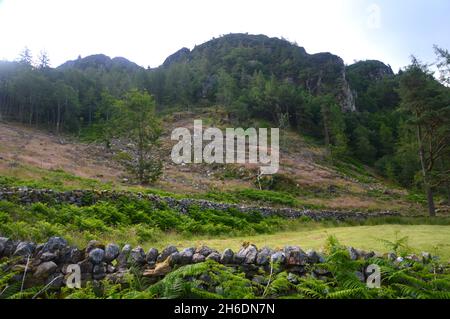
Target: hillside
{"type": "Point", "coordinates": [33, 155]}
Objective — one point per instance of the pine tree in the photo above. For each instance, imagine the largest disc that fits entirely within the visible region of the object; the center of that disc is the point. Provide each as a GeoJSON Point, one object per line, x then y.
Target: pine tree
{"type": "Point", "coordinates": [425, 101]}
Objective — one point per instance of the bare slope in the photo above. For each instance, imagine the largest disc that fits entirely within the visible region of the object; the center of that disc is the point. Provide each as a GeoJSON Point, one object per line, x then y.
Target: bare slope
{"type": "Point", "coordinates": [31, 154]}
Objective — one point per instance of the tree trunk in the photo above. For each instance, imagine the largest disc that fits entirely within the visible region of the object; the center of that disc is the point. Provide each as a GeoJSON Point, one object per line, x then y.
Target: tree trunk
{"type": "Point", "coordinates": [428, 190]}
{"type": "Point", "coordinates": [58, 118]}
{"type": "Point", "coordinates": [326, 131]}
{"type": "Point", "coordinates": [431, 207]}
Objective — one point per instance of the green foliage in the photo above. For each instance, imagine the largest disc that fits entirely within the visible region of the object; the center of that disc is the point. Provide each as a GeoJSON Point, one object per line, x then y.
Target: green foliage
{"type": "Point", "coordinates": [138, 219]}
{"type": "Point", "coordinates": [219, 282]}
{"type": "Point", "coordinates": [399, 246]}
{"type": "Point", "coordinates": [136, 121]}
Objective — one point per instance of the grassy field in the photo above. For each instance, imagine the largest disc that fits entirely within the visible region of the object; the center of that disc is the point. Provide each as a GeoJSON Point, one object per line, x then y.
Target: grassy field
{"type": "Point", "coordinates": [431, 238]}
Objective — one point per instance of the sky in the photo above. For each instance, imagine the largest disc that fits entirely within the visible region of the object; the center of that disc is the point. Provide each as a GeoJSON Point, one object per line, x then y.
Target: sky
{"type": "Point", "coordinates": [147, 31]}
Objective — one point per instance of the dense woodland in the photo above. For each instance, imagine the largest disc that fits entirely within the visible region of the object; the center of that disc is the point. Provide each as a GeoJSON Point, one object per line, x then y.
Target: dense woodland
{"type": "Point", "coordinates": [396, 123]}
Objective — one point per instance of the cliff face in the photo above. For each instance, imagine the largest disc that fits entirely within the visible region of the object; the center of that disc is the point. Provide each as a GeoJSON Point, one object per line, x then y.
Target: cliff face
{"type": "Point", "coordinates": [347, 99]}
{"type": "Point", "coordinates": [241, 56]}
{"type": "Point", "coordinates": [233, 60]}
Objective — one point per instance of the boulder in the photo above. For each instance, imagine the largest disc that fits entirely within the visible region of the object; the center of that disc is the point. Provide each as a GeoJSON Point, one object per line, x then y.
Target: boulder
{"type": "Point", "coordinates": [227, 256]}
{"type": "Point", "coordinates": [214, 256]}
{"type": "Point", "coordinates": [45, 269]}
{"type": "Point", "coordinates": [2, 246]}
{"type": "Point", "coordinates": [354, 254]}
{"type": "Point", "coordinates": [55, 280]}
{"type": "Point", "coordinates": [48, 256]}
{"type": "Point", "coordinates": [204, 250]}
{"type": "Point", "coordinates": [7, 247]}
{"type": "Point", "coordinates": [413, 257]}
{"type": "Point", "coordinates": [295, 256]}
{"type": "Point", "coordinates": [99, 271]}
{"type": "Point", "coordinates": [174, 258]}
{"type": "Point", "coordinates": [278, 257]}
{"type": "Point", "coordinates": [186, 255]}
{"type": "Point", "coordinates": [152, 255]}
{"type": "Point", "coordinates": [111, 252]}
{"type": "Point", "coordinates": [122, 259]}
{"type": "Point", "coordinates": [399, 260]}
{"type": "Point", "coordinates": [69, 255]}
{"type": "Point", "coordinates": [260, 280]}
{"type": "Point", "coordinates": [263, 257]}
{"type": "Point", "coordinates": [86, 266]}
{"type": "Point", "coordinates": [137, 256]}
{"type": "Point", "coordinates": [93, 244]}
{"type": "Point", "coordinates": [314, 257]}
{"type": "Point", "coordinates": [169, 250]}
{"type": "Point", "coordinates": [198, 258]}
{"type": "Point", "coordinates": [54, 244]}
{"type": "Point", "coordinates": [247, 255]}
{"type": "Point", "coordinates": [369, 255]}
{"type": "Point", "coordinates": [96, 255]}
{"type": "Point", "coordinates": [25, 249]}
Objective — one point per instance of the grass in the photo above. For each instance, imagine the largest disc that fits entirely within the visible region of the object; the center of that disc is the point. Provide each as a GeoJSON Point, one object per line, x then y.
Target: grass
{"type": "Point", "coordinates": [432, 238]}
{"type": "Point", "coordinates": [58, 179]}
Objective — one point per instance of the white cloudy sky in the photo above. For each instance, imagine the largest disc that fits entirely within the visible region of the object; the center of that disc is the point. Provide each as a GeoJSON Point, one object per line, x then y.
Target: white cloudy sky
{"type": "Point", "coordinates": [146, 32]}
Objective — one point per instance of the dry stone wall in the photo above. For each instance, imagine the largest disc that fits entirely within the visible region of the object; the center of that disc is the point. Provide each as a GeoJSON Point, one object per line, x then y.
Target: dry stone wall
{"type": "Point", "coordinates": [88, 197]}
{"type": "Point", "coordinates": [51, 263]}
